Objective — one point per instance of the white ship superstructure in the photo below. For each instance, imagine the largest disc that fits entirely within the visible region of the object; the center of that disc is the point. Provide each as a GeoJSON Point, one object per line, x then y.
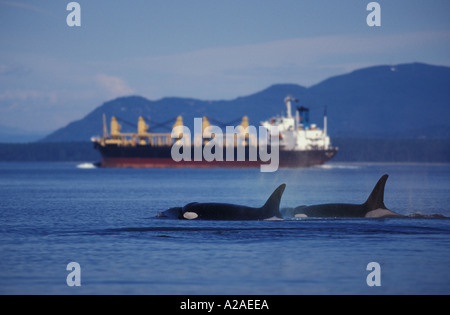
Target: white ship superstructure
{"type": "Point", "coordinates": [296, 132]}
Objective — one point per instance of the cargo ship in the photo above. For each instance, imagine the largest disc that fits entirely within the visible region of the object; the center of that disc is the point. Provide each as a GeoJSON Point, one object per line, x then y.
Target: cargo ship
{"type": "Point", "coordinates": [299, 144]}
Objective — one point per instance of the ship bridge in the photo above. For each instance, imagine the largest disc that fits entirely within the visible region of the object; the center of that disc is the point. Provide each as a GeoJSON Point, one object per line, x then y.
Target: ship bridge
{"type": "Point", "coordinates": [296, 132]}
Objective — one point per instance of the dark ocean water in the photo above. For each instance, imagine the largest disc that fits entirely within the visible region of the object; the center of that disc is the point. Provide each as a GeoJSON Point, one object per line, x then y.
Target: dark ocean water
{"type": "Point", "coordinates": [104, 219]}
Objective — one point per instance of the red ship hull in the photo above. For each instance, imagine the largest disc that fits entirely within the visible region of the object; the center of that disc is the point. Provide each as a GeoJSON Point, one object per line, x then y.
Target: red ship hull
{"type": "Point", "coordinates": [159, 157]}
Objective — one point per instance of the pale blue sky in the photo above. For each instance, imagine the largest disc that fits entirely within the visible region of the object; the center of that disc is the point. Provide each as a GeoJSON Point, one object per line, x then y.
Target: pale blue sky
{"type": "Point", "coordinates": [51, 74]}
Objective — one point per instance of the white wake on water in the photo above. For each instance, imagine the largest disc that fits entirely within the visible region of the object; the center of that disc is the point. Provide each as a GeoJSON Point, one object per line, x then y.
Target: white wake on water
{"type": "Point", "coordinates": [339, 166]}
{"type": "Point", "coordinates": [86, 166]}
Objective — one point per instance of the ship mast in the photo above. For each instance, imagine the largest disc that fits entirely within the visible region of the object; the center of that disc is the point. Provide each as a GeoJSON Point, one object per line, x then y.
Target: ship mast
{"type": "Point", "coordinates": [288, 100]}
{"type": "Point", "coordinates": [105, 128]}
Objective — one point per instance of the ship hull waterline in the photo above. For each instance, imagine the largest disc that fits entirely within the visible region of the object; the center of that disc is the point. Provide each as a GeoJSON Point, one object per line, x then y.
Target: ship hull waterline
{"type": "Point", "coordinates": [160, 157]}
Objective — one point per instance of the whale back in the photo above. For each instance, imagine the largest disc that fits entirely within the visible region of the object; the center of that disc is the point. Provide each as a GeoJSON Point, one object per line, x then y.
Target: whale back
{"type": "Point", "coordinates": [221, 211]}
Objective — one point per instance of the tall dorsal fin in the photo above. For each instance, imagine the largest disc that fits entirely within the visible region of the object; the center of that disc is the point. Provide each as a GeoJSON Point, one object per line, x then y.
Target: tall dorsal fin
{"type": "Point", "coordinates": [376, 198]}
{"type": "Point", "coordinates": [272, 204]}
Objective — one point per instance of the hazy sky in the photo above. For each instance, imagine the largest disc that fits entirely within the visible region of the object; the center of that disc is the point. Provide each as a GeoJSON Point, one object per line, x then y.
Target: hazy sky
{"type": "Point", "coordinates": [51, 74]}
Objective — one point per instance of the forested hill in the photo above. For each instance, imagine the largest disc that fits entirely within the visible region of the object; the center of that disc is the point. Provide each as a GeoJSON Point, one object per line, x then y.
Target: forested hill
{"type": "Point", "coordinates": [350, 150]}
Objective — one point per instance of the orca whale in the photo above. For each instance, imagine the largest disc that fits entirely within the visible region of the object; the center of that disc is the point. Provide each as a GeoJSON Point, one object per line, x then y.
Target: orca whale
{"type": "Point", "coordinates": [373, 208]}
{"type": "Point", "coordinates": [223, 211]}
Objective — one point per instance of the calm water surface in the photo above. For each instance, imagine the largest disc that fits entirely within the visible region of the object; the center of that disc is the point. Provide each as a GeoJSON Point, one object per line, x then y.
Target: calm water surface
{"type": "Point", "coordinates": [104, 219]}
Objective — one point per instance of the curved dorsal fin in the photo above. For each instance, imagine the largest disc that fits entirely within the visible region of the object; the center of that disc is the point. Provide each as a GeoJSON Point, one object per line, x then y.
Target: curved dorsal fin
{"type": "Point", "coordinates": [272, 204]}
{"type": "Point", "coordinates": [376, 198]}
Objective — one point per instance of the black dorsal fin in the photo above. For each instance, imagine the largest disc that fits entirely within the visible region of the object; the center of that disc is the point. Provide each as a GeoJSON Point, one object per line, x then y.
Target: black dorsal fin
{"type": "Point", "coordinates": [272, 205]}
{"type": "Point", "coordinates": [376, 198]}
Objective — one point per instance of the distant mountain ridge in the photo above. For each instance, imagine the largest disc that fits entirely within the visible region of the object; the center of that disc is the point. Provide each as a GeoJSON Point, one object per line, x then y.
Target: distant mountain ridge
{"type": "Point", "coordinates": [16, 135]}
{"type": "Point", "coordinates": [401, 101]}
